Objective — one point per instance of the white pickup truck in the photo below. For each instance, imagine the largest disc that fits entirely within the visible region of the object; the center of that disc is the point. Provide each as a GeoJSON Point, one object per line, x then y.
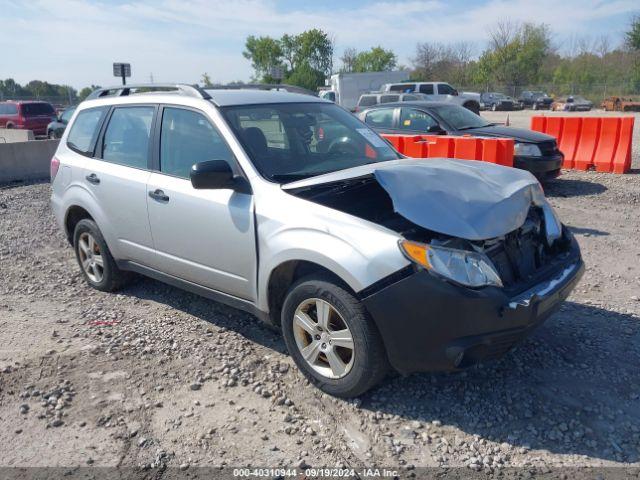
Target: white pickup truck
{"type": "Point", "coordinates": [436, 91]}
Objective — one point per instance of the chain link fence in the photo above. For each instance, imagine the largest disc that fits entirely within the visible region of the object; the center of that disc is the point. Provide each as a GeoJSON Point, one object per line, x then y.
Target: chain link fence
{"type": "Point", "coordinates": [57, 100]}
{"type": "Point", "coordinates": [594, 92]}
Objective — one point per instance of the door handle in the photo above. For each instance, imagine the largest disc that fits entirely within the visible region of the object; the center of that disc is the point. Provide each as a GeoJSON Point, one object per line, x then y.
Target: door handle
{"type": "Point", "coordinates": [93, 178]}
{"type": "Point", "coordinates": [159, 195]}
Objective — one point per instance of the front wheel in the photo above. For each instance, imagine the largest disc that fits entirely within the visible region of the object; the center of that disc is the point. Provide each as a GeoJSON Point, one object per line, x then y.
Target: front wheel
{"type": "Point", "coordinates": [331, 338]}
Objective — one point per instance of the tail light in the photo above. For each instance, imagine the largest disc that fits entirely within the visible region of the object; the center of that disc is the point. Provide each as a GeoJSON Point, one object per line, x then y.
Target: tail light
{"type": "Point", "coordinates": [55, 166]}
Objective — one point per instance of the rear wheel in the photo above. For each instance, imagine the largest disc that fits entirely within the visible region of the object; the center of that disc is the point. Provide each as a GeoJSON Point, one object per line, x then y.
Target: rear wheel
{"type": "Point", "coordinates": [95, 260]}
{"type": "Point", "coordinates": [332, 338]}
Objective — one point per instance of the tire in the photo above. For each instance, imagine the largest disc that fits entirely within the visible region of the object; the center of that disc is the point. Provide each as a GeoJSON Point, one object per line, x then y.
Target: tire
{"type": "Point", "coordinates": [108, 277]}
{"type": "Point", "coordinates": [366, 364]}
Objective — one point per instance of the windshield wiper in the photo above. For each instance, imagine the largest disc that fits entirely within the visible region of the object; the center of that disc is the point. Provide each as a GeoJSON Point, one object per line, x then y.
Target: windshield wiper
{"type": "Point", "coordinates": [290, 177]}
{"type": "Point", "coordinates": [469, 127]}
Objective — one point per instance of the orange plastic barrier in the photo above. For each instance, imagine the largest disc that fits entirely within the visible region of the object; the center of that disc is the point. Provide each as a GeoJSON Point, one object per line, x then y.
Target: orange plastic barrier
{"type": "Point", "coordinates": [603, 143]}
{"type": "Point", "coordinates": [493, 150]}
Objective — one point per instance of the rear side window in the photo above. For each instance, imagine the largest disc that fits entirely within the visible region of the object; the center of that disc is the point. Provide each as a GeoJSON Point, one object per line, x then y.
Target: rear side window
{"type": "Point", "coordinates": [84, 130]}
{"type": "Point", "coordinates": [381, 118]}
{"type": "Point", "coordinates": [187, 138]}
{"type": "Point", "coordinates": [389, 98]}
{"type": "Point", "coordinates": [367, 101]}
{"type": "Point", "coordinates": [403, 87]}
{"type": "Point", "coordinates": [126, 140]}
{"type": "Point", "coordinates": [36, 109]}
{"type": "Point", "coordinates": [8, 109]}
{"type": "Point", "coordinates": [427, 89]}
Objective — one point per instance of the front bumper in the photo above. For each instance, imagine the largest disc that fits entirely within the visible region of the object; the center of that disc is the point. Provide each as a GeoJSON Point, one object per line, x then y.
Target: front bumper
{"type": "Point", "coordinates": [428, 324]}
{"type": "Point", "coordinates": [544, 168]}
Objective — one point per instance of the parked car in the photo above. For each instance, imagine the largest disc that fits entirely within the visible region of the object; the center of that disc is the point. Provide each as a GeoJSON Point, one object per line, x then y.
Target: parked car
{"type": "Point", "coordinates": [56, 128]}
{"type": "Point", "coordinates": [535, 99]}
{"type": "Point", "coordinates": [573, 103]}
{"type": "Point", "coordinates": [499, 101]}
{"type": "Point", "coordinates": [620, 104]}
{"type": "Point", "coordinates": [437, 91]}
{"type": "Point", "coordinates": [370, 99]}
{"type": "Point", "coordinates": [27, 115]}
{"type": "Point", "coordinates": [235, 195]}
{"type": "Point", "coordinates": [534, 151]}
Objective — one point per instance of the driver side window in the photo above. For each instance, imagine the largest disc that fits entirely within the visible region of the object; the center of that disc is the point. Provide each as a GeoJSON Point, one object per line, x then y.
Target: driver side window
{"type": "Point", "coordinates": [186, 138]}
{"type": "Point", "coordinates": [416, 120]}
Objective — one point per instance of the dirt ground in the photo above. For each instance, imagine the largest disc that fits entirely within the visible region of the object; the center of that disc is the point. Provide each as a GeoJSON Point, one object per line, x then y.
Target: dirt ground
{"type": "Point", "coordinates": [154, 377]}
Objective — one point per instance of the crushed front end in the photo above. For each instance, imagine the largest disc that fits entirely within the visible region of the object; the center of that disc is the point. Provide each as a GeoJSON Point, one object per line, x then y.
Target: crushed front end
{"type": "Point", "coordinates": [432, 323]}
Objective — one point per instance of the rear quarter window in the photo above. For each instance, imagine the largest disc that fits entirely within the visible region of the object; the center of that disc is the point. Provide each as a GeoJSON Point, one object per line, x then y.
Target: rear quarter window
{"type": "Point", "coordinates": [367, 101]}
{"type": "Point", "coordinates": [84, 130]}
{"type": "Point", "coordinates": [389, 98]}
{"type": "Point", "coordinates": [8, 109]}
{"type": "Point", "coordinates": [36, 109]}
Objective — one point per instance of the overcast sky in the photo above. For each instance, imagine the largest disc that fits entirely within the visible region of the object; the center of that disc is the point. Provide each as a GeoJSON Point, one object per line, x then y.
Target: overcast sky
{"type": "Point", "coordinates": [75, 42]}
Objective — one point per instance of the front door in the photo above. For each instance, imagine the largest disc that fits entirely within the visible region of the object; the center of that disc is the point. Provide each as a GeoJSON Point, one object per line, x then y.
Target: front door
{"type": "Point", "coordinates": [203, 236]}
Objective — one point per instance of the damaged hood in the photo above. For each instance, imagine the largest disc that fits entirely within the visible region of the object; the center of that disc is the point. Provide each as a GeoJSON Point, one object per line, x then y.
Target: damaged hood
{"type": "Point", "coordinates": [460, 198]}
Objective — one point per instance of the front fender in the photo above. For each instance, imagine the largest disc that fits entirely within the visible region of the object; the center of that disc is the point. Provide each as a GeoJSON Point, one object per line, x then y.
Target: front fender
{"type": "Point", "coordinates": [358, 267]}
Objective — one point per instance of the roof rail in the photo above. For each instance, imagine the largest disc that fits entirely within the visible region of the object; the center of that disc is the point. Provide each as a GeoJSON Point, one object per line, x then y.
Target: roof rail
{"type": "Point", "coordinates": [125, 90]}
{"type": "Point", "coordinates": [263, 86]}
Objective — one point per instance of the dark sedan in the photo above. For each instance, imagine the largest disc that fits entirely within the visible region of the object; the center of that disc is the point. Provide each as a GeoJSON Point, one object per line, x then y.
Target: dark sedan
{"type": "Point", "coordinates": [534, 151]}
{"type": "Point", "coordinates": [498, 101]}
{"type": "Point", "coordinates": [56, 128]}
{"type": "Point", "coordinates": [535, 100]}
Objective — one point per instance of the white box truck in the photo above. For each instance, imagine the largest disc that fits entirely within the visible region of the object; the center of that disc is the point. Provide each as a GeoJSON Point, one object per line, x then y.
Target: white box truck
{"type": "Point", "coordinates": [345, 88]}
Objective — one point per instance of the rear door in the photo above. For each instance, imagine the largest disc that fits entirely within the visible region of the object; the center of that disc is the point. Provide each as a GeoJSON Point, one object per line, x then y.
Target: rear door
{"type": "Point", "coordinates": [117, 178]}
{"type": "Point", "coordinates": [204, 236]}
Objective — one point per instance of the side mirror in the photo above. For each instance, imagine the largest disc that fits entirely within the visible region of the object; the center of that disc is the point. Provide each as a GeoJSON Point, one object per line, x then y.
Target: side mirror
{"type": "Point", "coordinates": [217, 175]}
{"type": "Point", "coordinates": [455, 92]}
{"type": "Point", "coordinates": [435, 129]}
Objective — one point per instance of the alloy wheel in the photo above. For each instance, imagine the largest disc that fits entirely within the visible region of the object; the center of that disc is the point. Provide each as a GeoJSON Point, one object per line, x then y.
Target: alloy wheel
{"type": "Point", "coordinates": [323, 338]}
{"type": "Point", "coordinates": [91, 257]}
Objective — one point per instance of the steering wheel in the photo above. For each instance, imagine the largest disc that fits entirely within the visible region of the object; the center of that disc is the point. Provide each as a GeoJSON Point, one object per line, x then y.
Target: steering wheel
{"type": "Point", "coordinates": [343, 146]}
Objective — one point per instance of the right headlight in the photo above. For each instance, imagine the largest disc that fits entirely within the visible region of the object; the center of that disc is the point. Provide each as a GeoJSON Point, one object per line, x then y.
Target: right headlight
{"type": "Point", "coordinates": [471, 269]}
{"type": "Point", "coordinates": [526, 150]}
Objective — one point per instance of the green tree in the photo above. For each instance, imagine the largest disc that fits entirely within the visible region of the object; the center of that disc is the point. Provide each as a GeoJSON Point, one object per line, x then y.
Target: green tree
{"type": "Point", "coordinates": [375, 60]}
{"type": "Point", "coordinates": [206, 80]}
{"type": "Point", "coordinates": [306, 76]}
{"type": "Point", "coordinates": [86, 91]}
{"type": "Point", "coordinates": [516, 54]}
{"type": "Point", "coordinates": [632, 36]}
{"type": "Point", "coordinates": [264, 54]}
{"type": "Point", "coordinates": [305, 58]}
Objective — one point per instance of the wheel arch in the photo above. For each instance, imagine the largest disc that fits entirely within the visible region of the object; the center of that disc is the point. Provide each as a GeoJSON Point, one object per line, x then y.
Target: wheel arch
{"type": "Point", "coordinates": [286, 274]}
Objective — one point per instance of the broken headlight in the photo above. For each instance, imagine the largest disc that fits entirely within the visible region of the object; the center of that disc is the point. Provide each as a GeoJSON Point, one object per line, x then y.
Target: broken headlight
{"type": "Point", "coordinates": [467, 268]}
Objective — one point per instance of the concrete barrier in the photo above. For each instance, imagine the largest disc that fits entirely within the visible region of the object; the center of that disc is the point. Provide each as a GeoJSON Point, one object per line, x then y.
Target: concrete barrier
{"type": "Point", "coordinates": [10, 135]}
{"type": "Point", "coordinates": [26, 160]}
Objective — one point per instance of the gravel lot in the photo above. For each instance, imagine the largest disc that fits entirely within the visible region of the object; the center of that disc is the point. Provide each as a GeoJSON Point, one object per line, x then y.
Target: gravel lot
{"type": "Point", "coordinates": [154, 377]}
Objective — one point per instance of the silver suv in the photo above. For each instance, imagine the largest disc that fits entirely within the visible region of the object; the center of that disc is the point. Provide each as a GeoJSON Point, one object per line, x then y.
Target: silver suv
{"type": "Point", "coordinates": [288, 207]}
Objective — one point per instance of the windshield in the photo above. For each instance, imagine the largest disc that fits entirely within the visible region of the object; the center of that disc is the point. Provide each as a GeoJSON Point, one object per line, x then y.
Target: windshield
{"type": "Point", "coordinates": [538, 94]}
{"type": "Point", "coordinates": [291, 141]}
{"type": "Point", "coordinates": [459, 117]}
